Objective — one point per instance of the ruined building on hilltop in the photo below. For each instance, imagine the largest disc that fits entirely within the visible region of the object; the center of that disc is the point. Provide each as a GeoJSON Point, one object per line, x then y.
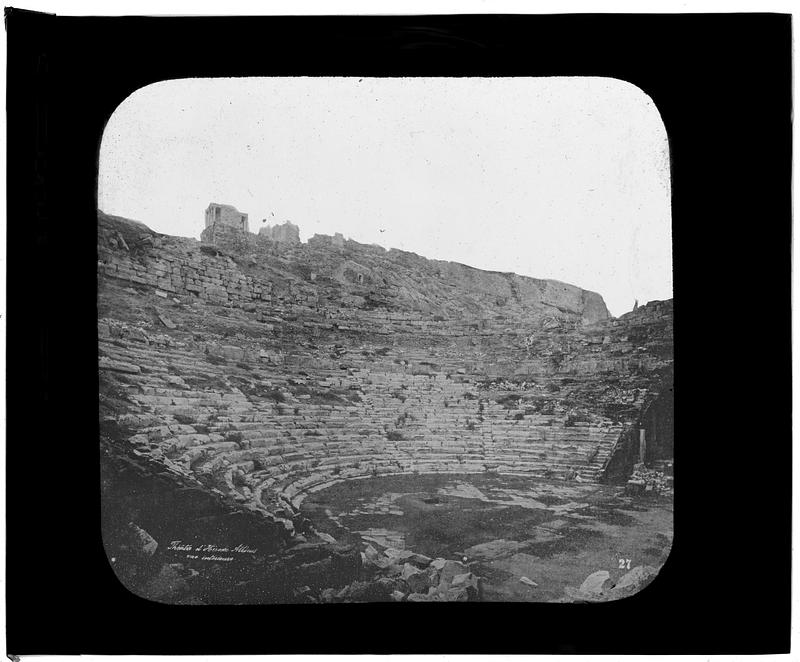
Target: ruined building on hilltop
{"type": "Point", "coordinates": [227, 226]}
{"type": "Point", "coordinates": [287, 232]}
{"type": "Point", "coordinates": [336, 240]}
{"type": "Point", "coordinates": [226, 215]}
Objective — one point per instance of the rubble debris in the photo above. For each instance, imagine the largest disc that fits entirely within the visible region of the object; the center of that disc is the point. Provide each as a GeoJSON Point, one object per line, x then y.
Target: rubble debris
{"type": "Point", "coordinates": [166, 321]}
{"type": "Point", "coordinates": [635, 578]}
{"type": "Point", "coordinates": [418, 579]}
{"type": "Point", "coordinates": [644, 482]}
{"type": "Point", "coordinates": [595, 590]}
{"type": "Point", "coordinates": [594, 582]}
{"type": "Point", "coordinates": [143, 543]}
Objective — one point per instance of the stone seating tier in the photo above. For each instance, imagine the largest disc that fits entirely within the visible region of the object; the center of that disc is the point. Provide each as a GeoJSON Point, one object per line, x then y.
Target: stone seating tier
{"type": "Point", "coordinates": [265, 385]}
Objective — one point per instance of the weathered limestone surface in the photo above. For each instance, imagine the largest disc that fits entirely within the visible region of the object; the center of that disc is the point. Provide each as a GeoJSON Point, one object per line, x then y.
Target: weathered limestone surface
{"type": "Point", "coordinates": [268, 370]}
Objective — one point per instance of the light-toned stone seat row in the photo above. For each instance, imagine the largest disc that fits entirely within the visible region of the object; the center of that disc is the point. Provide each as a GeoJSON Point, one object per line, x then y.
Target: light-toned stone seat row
{"type": "Point", "coordinates": [267, 451]}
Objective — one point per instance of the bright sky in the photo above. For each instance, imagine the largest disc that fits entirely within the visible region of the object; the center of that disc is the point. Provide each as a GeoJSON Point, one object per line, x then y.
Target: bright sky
{"type": "Point", "coordinates": [564, 178]}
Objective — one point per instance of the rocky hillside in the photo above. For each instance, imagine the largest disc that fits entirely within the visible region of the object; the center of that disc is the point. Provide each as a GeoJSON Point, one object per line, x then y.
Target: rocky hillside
{"type": "Point", "coordinates": [261, 372]}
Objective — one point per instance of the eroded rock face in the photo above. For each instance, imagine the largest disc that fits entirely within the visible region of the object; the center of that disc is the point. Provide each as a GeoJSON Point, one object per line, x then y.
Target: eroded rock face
{"type": "Point", "coordinates": [262, 371]}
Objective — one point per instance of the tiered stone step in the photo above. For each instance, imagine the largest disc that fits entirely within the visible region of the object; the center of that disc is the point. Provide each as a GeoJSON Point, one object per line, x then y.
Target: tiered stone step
{"type": "Point", "coordinates": [267, 451]}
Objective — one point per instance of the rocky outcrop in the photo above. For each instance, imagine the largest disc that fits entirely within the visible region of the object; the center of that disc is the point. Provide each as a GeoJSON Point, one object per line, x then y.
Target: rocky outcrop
{"type": "Point", "coordinates": [238, 268]}
{"type": "Point", "coordinates": [263, 371]}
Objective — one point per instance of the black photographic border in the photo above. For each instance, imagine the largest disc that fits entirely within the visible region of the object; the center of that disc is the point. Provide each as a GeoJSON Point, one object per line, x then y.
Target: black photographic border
{"type": "Point", "coordinates": [722, 83]}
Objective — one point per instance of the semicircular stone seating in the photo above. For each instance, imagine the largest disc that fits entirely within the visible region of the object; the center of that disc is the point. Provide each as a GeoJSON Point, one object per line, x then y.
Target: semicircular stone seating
{"type": "Point", "coordinates": [266, 398]}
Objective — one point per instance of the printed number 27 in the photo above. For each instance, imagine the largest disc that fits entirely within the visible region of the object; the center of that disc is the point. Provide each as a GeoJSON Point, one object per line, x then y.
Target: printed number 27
{"type": "Point", "coordinates": [624, 564]}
